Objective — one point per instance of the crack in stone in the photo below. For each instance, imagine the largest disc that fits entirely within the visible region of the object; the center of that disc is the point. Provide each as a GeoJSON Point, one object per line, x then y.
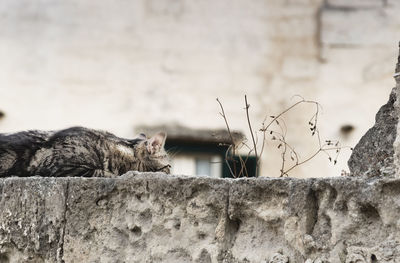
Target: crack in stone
{"type": "Point", "coordinates": [60, 253]}
{"type": "Point", "coordinates": [231, 226]}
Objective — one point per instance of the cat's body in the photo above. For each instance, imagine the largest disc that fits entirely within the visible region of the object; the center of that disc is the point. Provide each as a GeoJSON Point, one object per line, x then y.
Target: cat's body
{"type": "Point", "coordinates": [79, 151]}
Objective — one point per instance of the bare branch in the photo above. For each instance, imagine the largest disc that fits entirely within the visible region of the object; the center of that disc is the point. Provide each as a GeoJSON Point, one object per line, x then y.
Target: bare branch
{"type": "Point", "coordinates": [227, 162]}
{"type": "Point", "coordinates": [233, 146]}
{"type": "Point", "coordinates": [251, 132]}
{"type": "Point", "coordinates": [302, 162]}
{"type": "Point", "coordinates": [243, 164]}
{"type": "Point", "coordinates": [286, 150]}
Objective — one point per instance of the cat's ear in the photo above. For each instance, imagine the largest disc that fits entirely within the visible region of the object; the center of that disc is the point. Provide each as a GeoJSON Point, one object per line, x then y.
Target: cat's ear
{"type": "Point", "coordinates": [156, 143]}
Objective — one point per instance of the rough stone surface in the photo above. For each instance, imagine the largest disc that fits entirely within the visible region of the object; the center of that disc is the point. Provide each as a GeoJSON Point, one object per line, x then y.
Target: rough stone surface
{"type": "Point", "coordinates": [398, 68]}
{"type": "Point", "coordinates": [158, 218]}
{"type": "Point", "coordinates": [374, 154]}
{"type": "Point", "coordinates": [378, 152]}
{"type": "Point", "coordinates": [32, 219]}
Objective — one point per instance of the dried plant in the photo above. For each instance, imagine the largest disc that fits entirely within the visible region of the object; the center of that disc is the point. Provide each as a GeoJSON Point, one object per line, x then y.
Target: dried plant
{"type": "Point", "coordinates": [290, 158]}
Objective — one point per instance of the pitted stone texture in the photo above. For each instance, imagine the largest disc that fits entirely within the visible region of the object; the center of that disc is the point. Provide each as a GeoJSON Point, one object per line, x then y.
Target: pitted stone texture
{"type": "Point", "coordinates": [378, 151]}
{"type": "Point", "coordinates": [32, 214]}
{"type": "Point", "coordinates": [146, 219]}
{"type": "Point", "coordinates": [312, 219]}
{"type": "Point", "coordinates": [374, 154]}
{"type": "Point", "coordinates": [397, 71]}
{"type": "Point", "coordinates": [160, 218]}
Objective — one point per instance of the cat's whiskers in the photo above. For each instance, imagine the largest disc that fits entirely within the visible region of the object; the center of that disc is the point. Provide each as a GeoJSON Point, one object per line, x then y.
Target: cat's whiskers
{"type": "Point", "coordinates": [172, 153]}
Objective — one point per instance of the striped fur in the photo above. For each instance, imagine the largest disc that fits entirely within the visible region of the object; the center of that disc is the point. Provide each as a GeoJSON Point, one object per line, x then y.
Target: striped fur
{"type": "Point", "coordinates": [79, 151]}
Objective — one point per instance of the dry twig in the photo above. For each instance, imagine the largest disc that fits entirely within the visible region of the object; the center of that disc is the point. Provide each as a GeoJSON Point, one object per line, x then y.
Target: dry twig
{"type": "Point", "coordinates": [280, 138]}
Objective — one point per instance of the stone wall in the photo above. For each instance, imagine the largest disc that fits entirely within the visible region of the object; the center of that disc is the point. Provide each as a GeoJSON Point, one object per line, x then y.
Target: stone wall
{"type": "Point", "coordinates": [378, 152]}
{"type": "Point", "coordinates": [158, 218]}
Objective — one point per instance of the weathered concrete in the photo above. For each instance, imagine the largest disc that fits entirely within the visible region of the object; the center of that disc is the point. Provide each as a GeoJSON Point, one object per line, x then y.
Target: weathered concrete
{"type": "Point", "coordinates": [158, 218]}
{"type": "Point", "coordinates": [378, 152]}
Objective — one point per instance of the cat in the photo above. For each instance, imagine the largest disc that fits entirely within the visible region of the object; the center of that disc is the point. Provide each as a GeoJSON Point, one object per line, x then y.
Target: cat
{"type": "Point", "coordinates": [80, 151]}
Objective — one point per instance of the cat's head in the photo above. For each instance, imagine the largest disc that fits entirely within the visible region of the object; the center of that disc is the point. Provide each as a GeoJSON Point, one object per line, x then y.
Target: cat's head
{"type": "Point", "coordinates": [152, 155]}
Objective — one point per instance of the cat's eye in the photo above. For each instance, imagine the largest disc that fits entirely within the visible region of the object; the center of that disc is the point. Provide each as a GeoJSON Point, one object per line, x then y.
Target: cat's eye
{"type": "Point", "coordinates": [162, 168]}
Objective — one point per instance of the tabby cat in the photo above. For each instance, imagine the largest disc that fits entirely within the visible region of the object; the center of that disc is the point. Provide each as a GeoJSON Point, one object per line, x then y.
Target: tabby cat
{"type": "Point", "coordinates": [80, 151]}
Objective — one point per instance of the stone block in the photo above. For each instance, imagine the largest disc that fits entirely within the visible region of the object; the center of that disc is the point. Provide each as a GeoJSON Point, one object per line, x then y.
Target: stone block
{"type": "Point", "coordinates": [356, 3]}
{"type": "Point", "coordinates": [145, 218]}
{"type": "Point", "coordinates": [153, 217]}
{"type": "Point", "coordinates": [32, 219]}
{"type": "Point", "coordinates": [378, 152]}
{"type": "Point", "coordinates": [357, 27]}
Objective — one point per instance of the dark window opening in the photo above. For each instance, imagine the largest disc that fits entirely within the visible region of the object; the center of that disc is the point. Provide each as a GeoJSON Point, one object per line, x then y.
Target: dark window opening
{"type": "Point", "coordinates": [204, 163]}
{"type": "Point", "coordinates": [202, 152]}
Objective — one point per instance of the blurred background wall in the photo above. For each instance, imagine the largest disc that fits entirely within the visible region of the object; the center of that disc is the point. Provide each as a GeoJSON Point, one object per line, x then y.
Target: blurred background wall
{"type": "Point", "coordinates": [121, 65]}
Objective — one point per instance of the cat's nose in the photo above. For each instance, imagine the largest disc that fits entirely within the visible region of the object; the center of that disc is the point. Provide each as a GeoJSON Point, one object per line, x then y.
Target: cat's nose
{"type": "Point", "coordinates": [167, 169]}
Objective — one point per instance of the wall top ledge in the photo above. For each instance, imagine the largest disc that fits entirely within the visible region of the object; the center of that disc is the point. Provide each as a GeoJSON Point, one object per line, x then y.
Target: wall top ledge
{"type": "Point", "coordinates": [184, 180]}
{"type": "Point", "coordinates": [153, 217]}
